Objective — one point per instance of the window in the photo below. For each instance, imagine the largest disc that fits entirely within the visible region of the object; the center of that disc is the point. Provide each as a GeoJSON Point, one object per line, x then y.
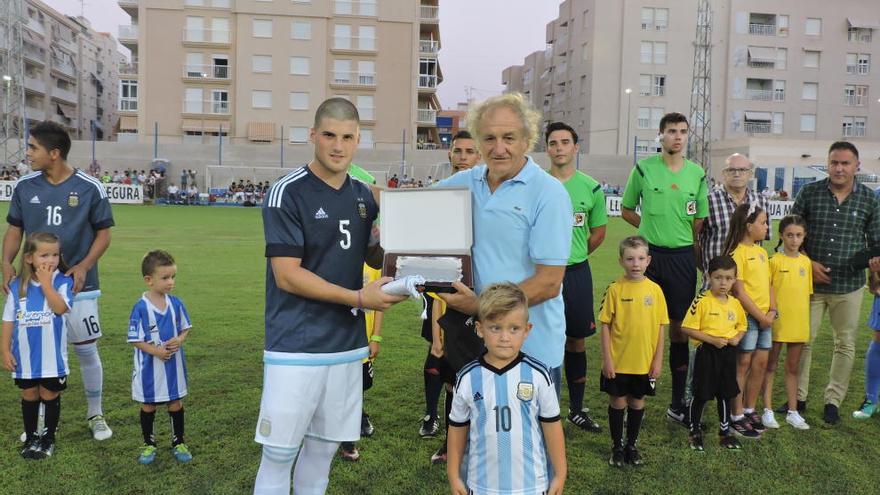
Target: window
{"type": "Point", "coordinates": [367, 38]}
{"type": "Point", "coordinates": [342, 36]}
{"type": "Point", "coordinates": [192, 100]}
{"type": "Point", "coordinates": [852, 61]}
{"type": "Point", "coordinates": [647, 19]}
{"type": "Point", "coordinates": [128, 95]}
{"type": "Point", "coordinates": [299, 66]}
{"type": "Point", "coordinates": [365, 107]}
{"type": "Point", "coordinates": [298, 135]}
{"type": "Point", "coordinates": [299, 101]}
{"type": "Point", "coordinates": [649, 117]}
{"type": "Point", "coordinates": [645, 84]}
{"type": "Point", "coordinates": [366, 138]}
{"type": "Point", "coordinates": [782, 25]}
{"type": "Point", "coordinates": [811, 59]}
{"type": "Point", "coordinates": [300, 30]}
{"type": "Point", "coordinates": [810, 91]}
{"type": "Point", "coordinates": [808, 122]}
{"type": "Point", "coordinates": [855, 96]}
{"type": "Point", "coordinates": [813, 27]}
{"type": "Point", "coordinates": [342, 71]}
{"type": "Point", "coordinates": [781, 58]}
{"type": "Point", "coordinates": [864, 64]}
{"type": "Point", "coordinates": [854, 126]}
{"type": "Point", "coordinates": [654, 19]}
{"type": "Point", "coordinates": [779, 90]}
{"type": "Point", "coordinates": [261, 63]}
{"type": "Point", "coordinates": [261, 99]}
{"type": "Point", "coordinates": [195, 28]}
{"type": "Point", "coordinates": [262, 28]}
{"type": "Point", "coordinates": [653, 52]}
{"type": "Point", "coordinates": [859, 35]}
{"type": "Point", "coordinates": [659, 88]}
{"type": "Point", "coordinates": [219, 101]}
{"type": "Point", "coordinates": [366, 72]}
{"type": "Point", "coordinates": [647, 51]}
{"type": "Point", "coordinates": [778, 119]}
{"type": "Point", "coordinates": [194, 65]}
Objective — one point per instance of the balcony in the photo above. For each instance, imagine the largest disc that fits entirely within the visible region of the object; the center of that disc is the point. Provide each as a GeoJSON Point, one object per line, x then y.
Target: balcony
{"type": "Point", "coordinates": [34, 84]}
{"type": "Point", "coordinates": [35, 26]}
{"type": "Point", "coordinates": [752, 128]}
{"type": "Point", "coordinates": [34, 54]}
{"type": "Point", "coordinates": [429, 14]}
{"type": "Point", "coordinates": [354, 79]}
{"type": "Point", "coordinates": [68, 45]}
{"type": "Point", "coordinates": [128, 68]}
{"type": "Point", "coordinates": [221, 72]}
{"type": "Point", "coordinates": [64, 68]}
{"type": "Point", "coordinates": [855, 100]}
{"type": "Point", "coordinates": [765, 95]}
{"type": "Point", "coordinates": [356, 44]}
{"type": "Point", "coordinates": [34, 113]}
{"type": "Point", "coordinates": [427, 82]}
{"type": "Point", "coordinates": [762, 29]}
{"type": "Point", "coordinates": [128, 34]}
{"type": "Point", "coordinates": [355, 7]}
{"type": "Point", "coordinates": [215, 36]}
{"type": "Point", "coordinates": [128, 104]}
{"type": "Point", "coordinates": [206, 107]}
{"type": "Point", "coordinates": [426, 116]}
{"type": "Point", "coordinates": [429, 46]}
{"type": "Point", "coordinates": [64, 95]}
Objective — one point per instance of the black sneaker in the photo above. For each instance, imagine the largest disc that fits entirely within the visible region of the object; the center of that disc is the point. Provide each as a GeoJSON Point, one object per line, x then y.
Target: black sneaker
{"type": "Point", "coordinates": [695, 440]}
{"type": "Point", "coordinates": [632, 457]}
{"type": "Point", "coordinates": [617, 457]}
{"type": "Point", "coordinates": [30, 445]}
{"type": "Point", "coordinates": [582, 420]}
{"type": "Point", "coordinates": [755, 420]}
{"type": "Point", "coordinates": [45, 449]}
{"type": "Point", "coordinates": [729, 442]}
{"type": "Point", "coordinates": [439, 457]}
{"type": "Point", "coordinates": [349, 451]}
{"type": "Point", "coordinates": [679, 414]}
{"type": "Point", "coordinates": [783, 409]}
{"type": "Point", "coordinates": [429, 427]}
{"type": "Point", "coordinates": [366, 426]}
{"type": "Point", "coordinates": [831, 415]}
{"type": "Point", "coordinates": [743, 428]}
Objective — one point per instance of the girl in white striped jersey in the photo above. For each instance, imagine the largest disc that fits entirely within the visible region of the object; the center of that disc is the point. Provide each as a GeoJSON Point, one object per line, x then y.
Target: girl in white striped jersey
{"type": "Point", "coordinates": [34, 342]}
{"type": "Point", "coordinates": [158, 326]}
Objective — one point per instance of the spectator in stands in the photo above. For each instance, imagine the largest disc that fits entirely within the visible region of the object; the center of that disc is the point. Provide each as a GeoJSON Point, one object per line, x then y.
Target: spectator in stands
{"type": "Point", "coordinates": [184, 176]}
{"type": "Point", "coordinates": [133, 178]}
{"type": "Point", "coordinates": [393, 182]}
{"type": "Point", "coordinates": [142, 177]}
{"type": "Point", "coordinates": [192, 195]}
{"type": "Point", "coordinates": [126, 179]}
{"type": "Point", "coordinates": [117, 177]}
{"type": "Point", "coordinates": [420, 184]}
{"type": "Point", "coordinates": [106, 179]}
{"type": "Point", "coordinates": [151, 186]}
{"type": "Point", "coordinates": [192, 176]}
{"type": "Point", "coordinates": [249, 192]}
{"type": "Point", "coordinates": [429, 181]}
{"type": "Point", "coordinates": [173, 193]}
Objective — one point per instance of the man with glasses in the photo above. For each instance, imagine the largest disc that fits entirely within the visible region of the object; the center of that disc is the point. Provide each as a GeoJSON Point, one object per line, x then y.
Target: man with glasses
{"type": "Point", "coordinates": [735, 191]}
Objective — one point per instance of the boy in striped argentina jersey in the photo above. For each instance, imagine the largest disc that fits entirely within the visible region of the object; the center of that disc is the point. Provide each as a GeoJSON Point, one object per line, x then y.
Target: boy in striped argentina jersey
{"type": "Point", "coordinates": [34, 342]}
{"type": "Point", "coordinates": [158, 327]}
{"type": "Point", "coordinates": [505, 415]}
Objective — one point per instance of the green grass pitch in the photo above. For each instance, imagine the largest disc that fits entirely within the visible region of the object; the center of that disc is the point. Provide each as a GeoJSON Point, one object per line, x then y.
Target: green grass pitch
{"type": "Point", "coordinates": [221, 279]}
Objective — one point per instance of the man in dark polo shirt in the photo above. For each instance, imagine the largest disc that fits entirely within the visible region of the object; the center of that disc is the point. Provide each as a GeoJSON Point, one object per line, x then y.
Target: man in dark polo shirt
{"type": "Point", "coordinates": [842, 218]}
{"type": "Point", "coordinates": [672, 193]}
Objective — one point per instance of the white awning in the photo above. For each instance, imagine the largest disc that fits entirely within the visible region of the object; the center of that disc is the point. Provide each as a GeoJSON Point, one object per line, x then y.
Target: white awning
{"type": "Point", "coordinates": [762, 54]}
{"type": "Point", "coordinates": [863, 23]}
{"type": "Point", "coordinates": [759, 116]}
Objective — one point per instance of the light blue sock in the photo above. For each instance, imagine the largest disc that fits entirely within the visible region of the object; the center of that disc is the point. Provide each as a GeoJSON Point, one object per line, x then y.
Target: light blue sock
{"type": "Point", "coordinates": [872, 371]}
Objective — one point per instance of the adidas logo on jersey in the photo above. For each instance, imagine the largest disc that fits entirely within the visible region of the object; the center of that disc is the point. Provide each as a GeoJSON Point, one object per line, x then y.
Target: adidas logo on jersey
{"type": "Point", "coordinates": [478, 396]}
{"type": "Point", "coordinates": [321, 214]}
{"type": "Point", "coordinates": [35, 200]}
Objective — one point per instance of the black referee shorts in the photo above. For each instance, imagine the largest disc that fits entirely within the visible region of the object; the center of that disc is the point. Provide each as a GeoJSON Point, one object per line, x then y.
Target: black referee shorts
{"type": "Point", "coordinates": [715, 372]}
{"type": "Point", "coordinates": [675, 271]}
{"type": "Point", "coordinates": [577, 294]}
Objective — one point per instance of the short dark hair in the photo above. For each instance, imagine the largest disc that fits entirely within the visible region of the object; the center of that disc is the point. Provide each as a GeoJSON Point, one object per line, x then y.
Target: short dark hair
{"type": "Point", "coordinates": [845, 146]}
{"type": "Point", "coordinates": [672, 118]}
{"type": "Point", "coordinates": [723, 262]}
{"type": "Point", "coordinates": [560, 126]}
{"type": "Point", "coordinates": [155, 259]}
{"type": "Point", "coordinates": [462, 134]}
{"type": "Point", "coordinates": [52, 137]}
{"type": "Point", "coordinates": [338, 109]}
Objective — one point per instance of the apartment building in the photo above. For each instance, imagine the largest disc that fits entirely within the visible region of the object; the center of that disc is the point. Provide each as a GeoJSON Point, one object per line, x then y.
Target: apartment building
{"type": "Point", "coordinates": [66, 72]}
{"type": "Point", "coordinates": [784, 70]}
{"type": "Point", "coordinates": [256, 70]}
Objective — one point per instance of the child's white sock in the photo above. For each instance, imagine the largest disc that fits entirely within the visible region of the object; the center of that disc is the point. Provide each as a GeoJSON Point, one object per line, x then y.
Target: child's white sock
{"type": "Point", "coordinates": [737, 417]}
{"type": "Point", "coordinates": [748, 410]}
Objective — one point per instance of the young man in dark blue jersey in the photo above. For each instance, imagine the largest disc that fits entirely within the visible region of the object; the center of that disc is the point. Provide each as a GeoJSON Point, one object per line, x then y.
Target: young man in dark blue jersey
{"type": "Point", "coordinates": [317, 223]}
{"type": "Point", "coordinates": [73, 205]}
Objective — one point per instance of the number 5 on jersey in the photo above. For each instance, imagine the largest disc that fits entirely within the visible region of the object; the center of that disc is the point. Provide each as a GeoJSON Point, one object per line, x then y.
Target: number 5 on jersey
{"type": "Point", "coordinates": [53, 215]}
{"type": "Point", "coordinates": [346, 242]}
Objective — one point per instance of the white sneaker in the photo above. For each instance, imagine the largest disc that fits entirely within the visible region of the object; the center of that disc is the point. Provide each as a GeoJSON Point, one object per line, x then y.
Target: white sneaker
{"type": "Point", "coordinates": [796, 420]}
{"type": "Point", "coordinates": [100, 430]}
{"type": "Point", "coordinates": [768, 419]}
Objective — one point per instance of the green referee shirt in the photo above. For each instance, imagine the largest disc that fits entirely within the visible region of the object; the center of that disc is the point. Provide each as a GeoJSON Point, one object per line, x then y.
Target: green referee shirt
{"type": "Point", "coordinates": [670, 201]}
{"type": "Point", "coordinates": [588, 204]}
{"type": "Point", "coordinates": [361, 174]}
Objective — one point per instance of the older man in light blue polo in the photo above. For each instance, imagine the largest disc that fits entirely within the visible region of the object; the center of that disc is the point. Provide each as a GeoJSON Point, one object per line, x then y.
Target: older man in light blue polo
{"type": "Point", "coordinates": [522, 223]}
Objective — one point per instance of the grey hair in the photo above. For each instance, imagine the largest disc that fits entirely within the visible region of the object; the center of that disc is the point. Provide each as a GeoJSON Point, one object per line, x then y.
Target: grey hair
{"type": "Point", "coordinates": [727, 160]}
{"type": "Point", "coordinates": [338, 109]}
{"type": "Point", "coordinates": [530, 117]}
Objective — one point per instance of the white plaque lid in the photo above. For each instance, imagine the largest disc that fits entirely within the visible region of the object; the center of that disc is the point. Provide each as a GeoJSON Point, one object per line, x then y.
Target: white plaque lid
{"type": "Point", "coordinates": [426, 221]}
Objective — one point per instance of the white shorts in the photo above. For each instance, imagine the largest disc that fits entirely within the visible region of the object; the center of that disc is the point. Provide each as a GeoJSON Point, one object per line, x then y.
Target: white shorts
{"type": "Point", "coordinates": [323, 402]}
{"type": "Point", "coordinates": [82, 321]}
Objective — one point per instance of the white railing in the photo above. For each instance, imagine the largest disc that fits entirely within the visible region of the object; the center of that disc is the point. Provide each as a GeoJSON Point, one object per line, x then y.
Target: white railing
{"type": "Point", "coordinates": [855, 100]}
{"type": "Point", "coordinates": [354, 43]}
{"type": "Point", "coordinates": [128, 104]}
{"type": "Point", "coordinates": [129, 32]}
{"type": "Point", "coordinates": [209, 107]}
{"type": "Point", "coordinates": [762, 29]}
{"type": "Point", "coordinates": [128, 67]}
{"type": "Point", "coordinates": [426, 115]}
{"type": "Point", "coordinates": [206, 35]}
{"type": "Point", "coordinates": [37, 84]}
{"type": "Point", "coordinates": [757, 127]}
{"type": "Point", "coordinates": [353, 78]}
{"type": "Point", "coordinates": [429, 46]}
{"type": "Point", "coordinates": [354, 7]}
{"type": "Point", "coordinates": [34, 113]}
{"type": "Point", "coordinates": [851, 131]}
{"type": "Point", "coordinates": [429, 13]}
{"type": "Point", "coordinates": [199, 71]}
{"type": "Point", "coordinates": [759, 94]}
{"type": "Point", "coordinates": [427, 81]}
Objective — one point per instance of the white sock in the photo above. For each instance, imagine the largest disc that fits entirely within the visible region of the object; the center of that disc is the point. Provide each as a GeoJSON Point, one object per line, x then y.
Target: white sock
{"type": "Point", "coordinates": [273, 478]}
{"type": "Point", "coordinates": [92, 376]}
{"type": "Point", "coordinates": [737, 417]}
{"type": "Point", "coordinates": [768, 410]}
{"type": "Point", "coordinates": [748, 410]}
{"type": "Point", "coordinates": [793, 413]}
{"type": "Point", "coordinates": [312, 472]}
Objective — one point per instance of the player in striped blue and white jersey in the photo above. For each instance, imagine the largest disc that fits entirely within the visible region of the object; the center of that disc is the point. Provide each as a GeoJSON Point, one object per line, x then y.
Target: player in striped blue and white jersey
{"type": "Point", "coordinates": [34, 341]}
{"type": "Point", "coordinates": [504, 409]}
{"type": "Point", "coordinates": [158, 326]}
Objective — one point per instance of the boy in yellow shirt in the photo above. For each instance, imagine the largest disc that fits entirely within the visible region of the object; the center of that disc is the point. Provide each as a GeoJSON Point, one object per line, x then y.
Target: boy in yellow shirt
{"type": "Point", "coordinates": [715, 323]}
{"type": "Point", "coordinates": [634, 318]}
